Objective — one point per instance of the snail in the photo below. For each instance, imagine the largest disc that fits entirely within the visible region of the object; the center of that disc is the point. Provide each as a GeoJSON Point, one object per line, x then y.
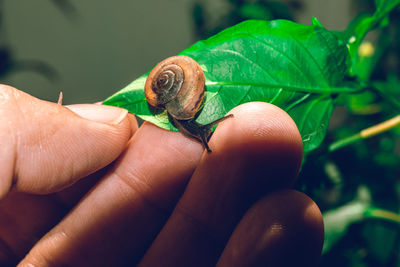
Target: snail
{"type": "Point", "coordinates": [177, 84]}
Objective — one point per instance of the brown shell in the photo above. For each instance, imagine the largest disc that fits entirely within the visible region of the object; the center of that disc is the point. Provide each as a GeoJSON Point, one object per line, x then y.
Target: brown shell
{"type": "Point", "coordinates": [176, 84]}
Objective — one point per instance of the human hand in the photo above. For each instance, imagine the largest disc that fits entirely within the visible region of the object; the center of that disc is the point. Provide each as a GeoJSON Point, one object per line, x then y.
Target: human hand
{"type": "Point", "coordinates": [164, 202]}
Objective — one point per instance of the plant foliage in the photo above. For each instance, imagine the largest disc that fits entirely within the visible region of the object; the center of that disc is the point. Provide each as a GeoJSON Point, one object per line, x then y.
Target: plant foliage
{"type": "Point", "coordinates": [296, 67]}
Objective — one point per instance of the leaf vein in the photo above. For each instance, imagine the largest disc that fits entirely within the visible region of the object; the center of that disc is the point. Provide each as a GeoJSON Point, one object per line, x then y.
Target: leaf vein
{"type": "Point", "coordinates": [309, 54]}
{"type": "Point", "coordinates": [283, 53]}
{"type": "Point", "coordinates": [329, 90]}
{"type": "Point", "coordinates": [248, 60]}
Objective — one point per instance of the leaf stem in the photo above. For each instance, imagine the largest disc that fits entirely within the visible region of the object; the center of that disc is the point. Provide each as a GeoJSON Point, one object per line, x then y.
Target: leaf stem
{"type": "Point", "coordinates": [366, 133]}
{"type": "Point", "coordinates": [382, 214]}
{"type": "Point", "coordinates": [381, 127]}
{"type": "Point", "coordinates": [344, 142]}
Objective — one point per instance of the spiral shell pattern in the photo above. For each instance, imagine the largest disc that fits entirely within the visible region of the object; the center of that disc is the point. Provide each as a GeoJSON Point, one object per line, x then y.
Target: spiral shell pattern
{"type": "Point", "coordinates": [167, 83]}
{"type": "Point", "coordinates": [176, 84]}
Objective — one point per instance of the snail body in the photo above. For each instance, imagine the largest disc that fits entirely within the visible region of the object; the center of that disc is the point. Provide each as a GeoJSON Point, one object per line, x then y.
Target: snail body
{"type": "Point", "coordinates": [177, 84]}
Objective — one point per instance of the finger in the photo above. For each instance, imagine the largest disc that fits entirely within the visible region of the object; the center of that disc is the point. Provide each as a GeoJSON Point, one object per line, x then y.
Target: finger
{"type": "Point", "coordinates": [45, 146]}
{"type": "Point", "coordinates": [256, 152]}
{"type": "Point", "coordinates": [71, 195]}
{"type": "Point", "coordinates": [284, 228]}
{"type": "Point", "coordinates": [24, 218]}
{"type": "Point", "coordinates": [119, 218]}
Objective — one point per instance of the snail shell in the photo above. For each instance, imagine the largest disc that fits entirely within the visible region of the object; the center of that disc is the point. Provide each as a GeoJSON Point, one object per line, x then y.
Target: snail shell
{"type": "Point", "coordinates": [176, 84]}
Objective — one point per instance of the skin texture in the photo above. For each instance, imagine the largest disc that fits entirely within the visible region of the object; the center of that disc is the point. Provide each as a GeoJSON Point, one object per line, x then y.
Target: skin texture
{"type": "Point", "coordinates": [83, 186]}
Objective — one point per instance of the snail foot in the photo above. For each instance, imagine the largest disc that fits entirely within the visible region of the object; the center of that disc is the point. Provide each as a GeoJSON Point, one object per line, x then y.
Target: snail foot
{"type": "Point", "coordinates": [197, 131]}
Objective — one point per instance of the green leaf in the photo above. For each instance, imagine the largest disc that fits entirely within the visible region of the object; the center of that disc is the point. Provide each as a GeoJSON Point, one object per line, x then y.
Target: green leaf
{"type": "Point", "coordinates": [312, 119]}
{"type": "Point", "coordinates": [296, 67]}
{"type": "Point", "coordinates": [337, 221]}
{"type": "Point", "coordinates": [383, 7]}
{"type": "Point", "coordinates": [132, 98]}
{"type": "Point", "coordinates": [363, 24]}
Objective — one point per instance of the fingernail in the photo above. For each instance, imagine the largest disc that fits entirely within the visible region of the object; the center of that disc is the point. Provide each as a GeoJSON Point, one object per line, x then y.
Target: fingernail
{"type": "Point", "coordinates": [99, 113]}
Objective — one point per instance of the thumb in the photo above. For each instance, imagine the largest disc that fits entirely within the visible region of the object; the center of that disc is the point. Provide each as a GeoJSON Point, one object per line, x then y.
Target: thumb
{"type": "Point", "coordinates": [45, 147]}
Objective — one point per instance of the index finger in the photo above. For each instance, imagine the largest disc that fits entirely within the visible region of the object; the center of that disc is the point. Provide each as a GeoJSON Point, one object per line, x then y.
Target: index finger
{"type": "Point", "coordinates": [122, 214]}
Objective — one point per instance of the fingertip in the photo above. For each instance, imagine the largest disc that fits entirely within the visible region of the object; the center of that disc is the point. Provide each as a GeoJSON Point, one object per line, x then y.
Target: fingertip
{"type": "Point", "coordinates": [257, 122]}
{"type": "Point", "coordinates": [47, 146]}
{"type": "Point", "coordinates": [264, 135]}
{"type": "Point", "coordinates": [66, 143]}
{"type": "Point", "coordinates": [99, 113]}
{"type": "Point", "coordinates": [284, 228]}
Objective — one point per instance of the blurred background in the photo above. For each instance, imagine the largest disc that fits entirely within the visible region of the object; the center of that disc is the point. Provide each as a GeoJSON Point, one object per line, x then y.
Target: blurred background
{"type": "Point", "coordinates": [91, 49]}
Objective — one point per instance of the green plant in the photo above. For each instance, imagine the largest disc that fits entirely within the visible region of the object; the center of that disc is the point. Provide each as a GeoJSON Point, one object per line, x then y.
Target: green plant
{"type": "Point", "coordinates": [308, 70]}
